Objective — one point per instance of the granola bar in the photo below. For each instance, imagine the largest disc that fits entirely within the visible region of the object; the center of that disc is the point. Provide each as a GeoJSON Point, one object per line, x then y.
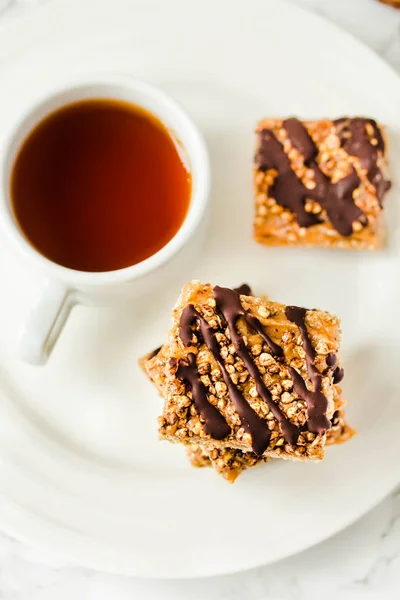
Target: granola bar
{"type": "Point", "coordinates": [239, 372]}
{"type": "Point", "coordinates": [320, 183]}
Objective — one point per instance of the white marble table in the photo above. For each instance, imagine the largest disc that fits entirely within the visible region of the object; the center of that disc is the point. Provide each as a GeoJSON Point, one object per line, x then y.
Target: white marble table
{"type": "Point", "coordinates": [361, 562]}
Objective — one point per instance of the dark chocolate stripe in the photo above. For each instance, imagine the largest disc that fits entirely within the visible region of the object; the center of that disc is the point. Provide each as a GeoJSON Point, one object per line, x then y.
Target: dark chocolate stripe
{"type": "Point", "coordinates": [338, 375]}
{"type": "Point", "coordinates": [339, 203]}
{"type": "Point", "coordinates": [317, 403]}
{"type": "Point", "coordinates": [331, 360]}
{"type": "Point", "coordinates": [355, 140]}
{"type": "Point", "coordinates": [228, 302]}
{"type": "Point", "coordinates": [250, 420]}
{"type": "Point", "coordinates": [301, 140]}
{"type": "Point", "coordinates": [244, 290]}
{"type": "Point", "coordinates": [214, 423]}
{"type": "Point", "coordinates": [255, 324]}
{"type": "Point", "coordinates": [153, 354]}
{"type": "Point", "coordinates": [332, 367]}
{"type": "Point", "coordinates": [335, 198]}
{"type": "Point", "coordinates": [335, 418]}
{"type": "Point", "coordinates": [288, 190]}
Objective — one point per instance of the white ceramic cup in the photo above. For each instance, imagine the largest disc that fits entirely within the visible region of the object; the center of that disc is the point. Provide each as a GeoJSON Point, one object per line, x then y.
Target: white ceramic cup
{"type": "Point", "coordinates": [63, 287]}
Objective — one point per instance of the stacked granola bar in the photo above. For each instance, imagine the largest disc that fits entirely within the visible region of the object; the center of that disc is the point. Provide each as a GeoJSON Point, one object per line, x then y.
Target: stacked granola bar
{"type": "Point", "coordinates": [245, 380]}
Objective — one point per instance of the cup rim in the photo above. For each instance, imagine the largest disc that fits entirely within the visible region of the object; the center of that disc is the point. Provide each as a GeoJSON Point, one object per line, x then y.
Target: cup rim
{"type": "Point", "coordinates": [197, 204]}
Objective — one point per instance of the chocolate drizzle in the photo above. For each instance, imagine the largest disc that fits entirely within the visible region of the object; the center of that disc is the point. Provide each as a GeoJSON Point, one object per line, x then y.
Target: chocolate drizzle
{"type": "Point", "coordinates": [335, 418]}
{"type": "Point", "coordinates": [331, 360]}
{"type": "Point", "coordinates": [317, 403]}
{"type": "Point", "coordinates": [244, 290]}
{"type": "Point", "coordinates": [289, 191]}
{"type": "Point", "coordinates": [335, 198]}
{"type": "Point", "coordinates": [214, 423]}
{"type": "Point", "coordinates": [228, 302]}
{"type": "Point", "coordinates": [230, 310]}
{"type": "Point", "coordinates": [250, 420]}
{"type": "Point", "coordinates": [355, 140]}
{"type": "Point", "coordinates": [338, 372]}
{"type": "Point", "coordinates": [338, 375]}
{"type": "Point", "coordinates": [255, 324]}
{"type": "Point", "coordinates": [301, 140]}
{"type": "Point", "coordinates": [154, 353]}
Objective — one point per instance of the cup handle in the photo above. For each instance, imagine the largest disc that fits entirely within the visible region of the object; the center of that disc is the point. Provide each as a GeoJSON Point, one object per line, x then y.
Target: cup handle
{"type": "Point", "coordinates": [45, 322]}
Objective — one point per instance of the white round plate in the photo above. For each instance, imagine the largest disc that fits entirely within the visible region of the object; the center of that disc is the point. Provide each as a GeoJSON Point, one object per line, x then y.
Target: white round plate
{"type": "Point", "coordinates": [81, 470]}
